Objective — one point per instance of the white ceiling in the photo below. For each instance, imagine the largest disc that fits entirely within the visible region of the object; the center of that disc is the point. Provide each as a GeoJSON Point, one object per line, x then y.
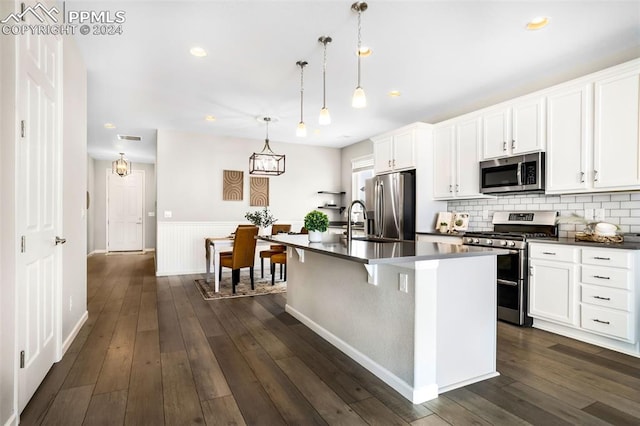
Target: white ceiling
{"type": "Point", "coordinates": [445, 57]}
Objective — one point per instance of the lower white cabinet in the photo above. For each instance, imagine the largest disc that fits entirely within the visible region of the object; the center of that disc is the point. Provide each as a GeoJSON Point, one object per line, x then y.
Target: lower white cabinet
{"type": "Point", "coordinates": [552, 283]}
{"type": "Point", "coordinates": [591, 294]}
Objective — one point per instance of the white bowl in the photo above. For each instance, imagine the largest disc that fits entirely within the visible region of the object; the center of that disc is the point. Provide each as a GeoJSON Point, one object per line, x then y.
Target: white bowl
{"type": "Point", "coordinates": [606, 229]}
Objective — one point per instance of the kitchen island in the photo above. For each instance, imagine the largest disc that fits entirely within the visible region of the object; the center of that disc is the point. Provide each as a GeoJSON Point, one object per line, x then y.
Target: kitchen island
{"type": "Point", "coordinates": [420, 316]}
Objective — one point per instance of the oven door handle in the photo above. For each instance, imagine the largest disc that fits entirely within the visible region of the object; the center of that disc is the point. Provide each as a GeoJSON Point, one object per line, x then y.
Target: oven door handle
{"type": "Point", "coordinates": [506, 282]}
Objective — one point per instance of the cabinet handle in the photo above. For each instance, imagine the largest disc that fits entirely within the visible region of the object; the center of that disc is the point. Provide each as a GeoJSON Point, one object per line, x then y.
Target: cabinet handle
{"type": "Point", "coordinates": [601, 278]}
{"type": "Point", "coordinates": [601, 322]}
{"type": "Point", "coordinates": [530, 271]}
{"type": "Point", "coordinates": [595, 175]}
{"type": "Point", "coordinates": [389, 163]}
{"type": "Point", "coordinates": [513, 144]}
{"type": "Point", "coordinates": [450, 188]}
{"type": "Point", "coordinates": [504, 145]}
{"type": "Point", "coordinates": [581, 177]}
{"type": "Point", "coordinates": [394, 162]}
{"type": "Point", "coordinates": [549, 253]}
{"type": "Point", "coordinates": [601, 298]}
{"type": "Point", "coordinates": [601, 258]}
{"type": "Point", "coordinates": [457, 188]}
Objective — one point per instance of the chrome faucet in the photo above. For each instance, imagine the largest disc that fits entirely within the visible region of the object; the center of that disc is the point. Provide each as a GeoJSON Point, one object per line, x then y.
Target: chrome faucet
{"type": "Point", "coordinates": [364, 212]}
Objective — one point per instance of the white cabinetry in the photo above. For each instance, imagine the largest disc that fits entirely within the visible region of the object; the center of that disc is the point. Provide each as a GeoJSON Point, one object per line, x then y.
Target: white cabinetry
{"type": "Point", "coordinates": [616, 154]}
{"type": "Point", "coordinates": [568, 139]}
{"type": "Point", "coordinates": [591, 294]}
{"type": "Point", "coordinates": [395, 151]}
{"type": "Point", "coordinates": [593, 141]}
{"type": "Point", "coordinates": [516, 128]}
{"type": "Point", "coordinates": [552, 285]}
{"type": "Point", "coordinates": [456, 161]}
{"type": "Point", "coordinates": [607, 294]}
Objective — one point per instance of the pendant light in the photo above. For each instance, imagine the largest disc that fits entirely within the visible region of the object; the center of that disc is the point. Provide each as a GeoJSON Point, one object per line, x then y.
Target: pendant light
{"type": "Point", "coordinates": [266, 162]}
{"type": "Point", "coordinates": [301, 130]}
{"type": "Point", "coordinates": [121, 166]}
{"type": "Point", "coordinates": [359, 99]}
{"type": "Point", "coordinates": [324, 118]}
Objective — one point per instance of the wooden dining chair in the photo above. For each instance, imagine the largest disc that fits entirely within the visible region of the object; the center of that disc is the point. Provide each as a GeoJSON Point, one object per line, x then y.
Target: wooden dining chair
{"type": "Point", "coordinates": [275, 248]}
{"type": "Point", "coordinates": [278, 258]}
{"type": "Point", "coordinates": [242, 255]}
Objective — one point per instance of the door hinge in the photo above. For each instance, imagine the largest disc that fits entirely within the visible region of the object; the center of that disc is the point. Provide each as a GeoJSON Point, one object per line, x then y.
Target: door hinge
{"type": "Point", "coordinates": [23, 244]}
{"type": "Point", "coordinates": [21, 359]}
{"type": "Point", "coordinates": [22, 128]}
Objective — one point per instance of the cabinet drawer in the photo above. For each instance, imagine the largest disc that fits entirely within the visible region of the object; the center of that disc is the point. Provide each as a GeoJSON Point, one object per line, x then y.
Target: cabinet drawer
{"type": "Point", "coordinates": [611, 257]}
{"type": "Point", "coordinates": [553, 252]}
{"type": "Point", "coordinates": [607, 321]}
{"type": "Point", "coordinates": [610, 277]}
{"type": "Point", "coordinates": [605, 296]}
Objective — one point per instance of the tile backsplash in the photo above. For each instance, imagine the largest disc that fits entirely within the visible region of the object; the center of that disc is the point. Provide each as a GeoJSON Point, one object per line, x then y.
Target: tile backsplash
{"type": "Point", "coordinates": [620, 208]}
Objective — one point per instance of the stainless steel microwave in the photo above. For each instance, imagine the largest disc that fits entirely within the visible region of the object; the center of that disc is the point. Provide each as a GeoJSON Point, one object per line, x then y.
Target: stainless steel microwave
{"type": "Point", "coordinates": [520, 173]}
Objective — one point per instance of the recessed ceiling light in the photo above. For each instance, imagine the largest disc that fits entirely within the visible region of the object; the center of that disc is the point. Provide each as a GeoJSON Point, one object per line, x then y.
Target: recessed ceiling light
{"type": "Point", "coordinates": [198, 52]}
{"type": "Point", "coordinates": [394, 93]}
{"type": "Point", "coordinates": [537, 23]}
{"type": "Point", "coordinates": [109, 126]}
{"type": "Point", "coordinates": [210, 118]}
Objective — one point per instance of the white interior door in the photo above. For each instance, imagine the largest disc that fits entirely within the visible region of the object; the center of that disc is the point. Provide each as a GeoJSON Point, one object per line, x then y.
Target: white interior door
{"type": "Point", "coordinates": [39, 210]}
{"type": "Point", "coordinates": [125, 211]}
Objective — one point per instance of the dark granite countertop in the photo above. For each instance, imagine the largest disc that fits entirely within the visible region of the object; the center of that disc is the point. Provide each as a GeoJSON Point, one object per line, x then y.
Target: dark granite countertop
{"type": "Point", "coordinates": [570, 241]}
{"type": "Point", "coordinates": [386, 252]}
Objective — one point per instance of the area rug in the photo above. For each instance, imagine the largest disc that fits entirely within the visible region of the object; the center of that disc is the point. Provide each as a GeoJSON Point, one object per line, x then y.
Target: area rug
{"type": "Point", "coordinates": [243, 288]}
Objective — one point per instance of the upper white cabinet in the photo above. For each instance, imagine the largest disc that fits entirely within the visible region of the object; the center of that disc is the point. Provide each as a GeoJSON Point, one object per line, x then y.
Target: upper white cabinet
{"type": "Point", "coordinates": [395, 151]}
{"type": "Point", "coordinates": [456, 160]}
{"type": "Point", "coordinates": [616, 156]}
{"type": "Point", "coordinates": [568, 139]}
{"type": "Point", "coordinates": [515, 128]}
{"type": "Point", "coordinates": [593, 142]}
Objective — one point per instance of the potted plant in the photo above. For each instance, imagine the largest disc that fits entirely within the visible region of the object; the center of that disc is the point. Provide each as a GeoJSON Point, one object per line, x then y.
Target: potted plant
{"type": "Point", "coordinates": [262, 219]}
{"type": "Point", "coordinates": [444, 227]}
{"type": "Point", "coordinates": [316, 223]}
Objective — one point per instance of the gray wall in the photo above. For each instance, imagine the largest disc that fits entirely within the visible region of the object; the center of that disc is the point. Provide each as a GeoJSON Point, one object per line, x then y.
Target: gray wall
{"type": "Point", "coordinates": [99, 203]}
{"type": "Point", "coordinates": [7, 223]}
{"type": "Point", "coordinates": [350, 152]}
{"type": "Point", "coordinates": [190, 168]}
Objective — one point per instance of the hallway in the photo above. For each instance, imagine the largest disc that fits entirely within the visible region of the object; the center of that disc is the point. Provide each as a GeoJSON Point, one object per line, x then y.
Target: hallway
{"type": "Point", "coordinates": [153, 352]}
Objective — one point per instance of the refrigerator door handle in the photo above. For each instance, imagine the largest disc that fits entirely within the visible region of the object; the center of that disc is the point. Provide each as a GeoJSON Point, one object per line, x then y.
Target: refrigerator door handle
{"type": "Point", "coordinates": [382, 216]}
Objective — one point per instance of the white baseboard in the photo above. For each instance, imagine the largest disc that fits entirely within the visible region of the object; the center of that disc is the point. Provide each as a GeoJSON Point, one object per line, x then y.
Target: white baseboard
{"type": "Point", "coordinates": [96, 252]}
{"type": "Point", "coordinates": [417, 396]}
{"type": "Point", "coordinates": [12, 421]}
{"type": "Point", "coordinates": [76, 329]}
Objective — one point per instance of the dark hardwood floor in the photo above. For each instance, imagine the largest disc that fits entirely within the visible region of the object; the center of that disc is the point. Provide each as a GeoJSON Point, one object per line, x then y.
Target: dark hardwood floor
{"type": "Point", "coordinates": [153, 352]}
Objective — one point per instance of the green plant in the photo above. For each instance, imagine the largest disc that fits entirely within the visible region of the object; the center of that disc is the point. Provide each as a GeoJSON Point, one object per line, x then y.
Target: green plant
{"type": "Point", "coordinates": [316, 221]}
{"type": "Point", "coordinates": [261, 218]}
{"type": "Point", "coordinates": [444, 224]}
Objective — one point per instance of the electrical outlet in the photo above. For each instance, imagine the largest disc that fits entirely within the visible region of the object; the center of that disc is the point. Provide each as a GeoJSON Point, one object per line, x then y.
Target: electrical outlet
{"type": "Point", "coordinates": [599, 215]}
{"type": "Point", "coordinates": [167, 214]}
{"type": "Point", "coordinates": [70, 303]}
{"type": "Point", "coordinates": [588, 214]}
{"type": "Point", "coordinates": [403, 283]}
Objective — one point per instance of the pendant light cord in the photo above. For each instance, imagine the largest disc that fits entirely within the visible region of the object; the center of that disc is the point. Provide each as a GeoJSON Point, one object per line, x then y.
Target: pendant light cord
{"type": "Point", "coordinates": [302, 92]}
{"type": "Point", "coordinates": [359, 42]}
{"type": "Point", "coordinates": [324, 77]}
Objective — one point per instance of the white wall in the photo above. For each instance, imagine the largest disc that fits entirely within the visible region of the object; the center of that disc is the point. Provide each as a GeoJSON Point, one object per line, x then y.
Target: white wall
{"type": "Point", "coordinates": [189, 170]}
{"type": "Point", "coordinates": [99, 203]}
{"type": "Point", "coordinates": [7, 224]}
{"type": "Point", "coordinates": [74, 190]}
{"type": "Point", "coordinates": [620, 208]}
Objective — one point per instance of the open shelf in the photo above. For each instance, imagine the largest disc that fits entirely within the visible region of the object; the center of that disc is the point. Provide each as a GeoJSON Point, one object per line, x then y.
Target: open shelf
{"type": "Point", "coordinates": [336, 207]}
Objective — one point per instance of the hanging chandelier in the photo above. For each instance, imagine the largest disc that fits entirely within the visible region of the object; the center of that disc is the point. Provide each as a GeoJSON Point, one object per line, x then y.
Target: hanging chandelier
{"type": "Point", "coordinates": [359, 99]}
{"type": "Point", "coordinates": [121, 166]}
{"type": "Point", "coordinates": [301, 130]}
{"type": "Point", "coordinates": [266, 162]}
{"type": "Point", "coordinates": [324, 118]}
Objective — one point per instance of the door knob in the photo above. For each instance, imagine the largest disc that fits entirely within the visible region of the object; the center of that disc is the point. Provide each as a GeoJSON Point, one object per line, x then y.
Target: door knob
{"type": "Point", "coordinates": [60, 240]}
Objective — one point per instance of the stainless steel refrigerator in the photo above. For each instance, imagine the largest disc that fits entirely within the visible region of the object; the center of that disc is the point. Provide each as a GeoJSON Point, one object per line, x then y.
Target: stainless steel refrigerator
{"type": "Point", "coordinates": [391, 205]}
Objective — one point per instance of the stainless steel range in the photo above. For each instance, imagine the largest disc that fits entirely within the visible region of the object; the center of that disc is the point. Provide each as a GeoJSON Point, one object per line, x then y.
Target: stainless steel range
{"type": "Point", "coordinates": [512, 230]}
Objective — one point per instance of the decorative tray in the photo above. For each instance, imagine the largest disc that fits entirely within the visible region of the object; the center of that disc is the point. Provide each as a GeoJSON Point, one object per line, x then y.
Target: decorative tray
{"type": "Point", "coordinates": [583, 236]}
